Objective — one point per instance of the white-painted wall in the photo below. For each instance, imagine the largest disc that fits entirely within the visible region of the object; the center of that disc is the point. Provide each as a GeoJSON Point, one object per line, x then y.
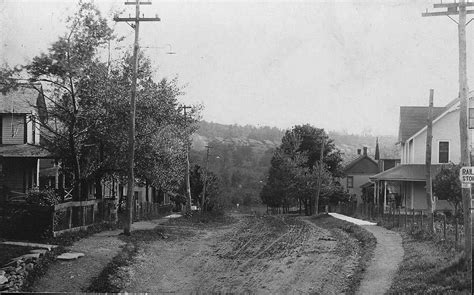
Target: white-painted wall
{"type": "Point", "coordinates": [445, 129]}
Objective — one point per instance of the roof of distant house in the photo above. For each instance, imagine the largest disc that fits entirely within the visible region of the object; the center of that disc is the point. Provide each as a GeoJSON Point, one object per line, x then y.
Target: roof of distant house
{"type": "Point", "coordinates": [361, 164]}
{"type": "Point", "coordinates": [22, 100]}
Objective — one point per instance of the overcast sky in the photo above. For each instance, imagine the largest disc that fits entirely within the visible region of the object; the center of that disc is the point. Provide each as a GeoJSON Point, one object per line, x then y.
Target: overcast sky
{"type": "Point", "coordinates": [341, 65]}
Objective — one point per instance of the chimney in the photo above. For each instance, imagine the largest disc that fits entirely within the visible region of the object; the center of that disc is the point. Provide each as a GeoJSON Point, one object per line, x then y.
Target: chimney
{"type": "Point", "coordinates": [365, 151]}
{"type": "Point", "coordinates": [358, 151]}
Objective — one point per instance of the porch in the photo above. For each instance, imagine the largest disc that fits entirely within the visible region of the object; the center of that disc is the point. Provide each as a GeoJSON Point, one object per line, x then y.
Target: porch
{"type": "Point", "coordinates": [404, 187]}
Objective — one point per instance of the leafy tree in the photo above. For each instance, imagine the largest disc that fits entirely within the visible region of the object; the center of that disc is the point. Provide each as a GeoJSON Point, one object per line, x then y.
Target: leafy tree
{"type": "Point", "coordinates": [307, 139]}
{"type": "Point", "coordinates": [447, 185]}
{"type": "Point", "coordinates": [294, 175]}
{"type": "Point", "coordinates": [63, 68]}
{"type": "Point", "coordinates": [89, 108]}
{"type": "Point", "coordinates": [196, 178]}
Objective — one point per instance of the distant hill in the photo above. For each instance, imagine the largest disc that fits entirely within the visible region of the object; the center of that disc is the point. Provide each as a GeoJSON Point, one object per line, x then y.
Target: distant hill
{"type": "Point", "coordinates": [261, 139]}
{"type": "Point", "coordinates": [240, 155]}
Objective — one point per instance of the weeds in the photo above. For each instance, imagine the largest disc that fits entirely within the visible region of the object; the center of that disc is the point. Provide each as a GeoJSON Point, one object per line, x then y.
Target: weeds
{"type": "Point", "coordinates": [428, 268]}
{"type": "Point", "coordinates": [366, 240]}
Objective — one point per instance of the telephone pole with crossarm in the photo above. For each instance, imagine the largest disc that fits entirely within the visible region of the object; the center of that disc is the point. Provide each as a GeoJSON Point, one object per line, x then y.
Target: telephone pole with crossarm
{"type": "Point", "coordinates": [131, 136]}
{"type": "Point", "coordinates": [460, 9]}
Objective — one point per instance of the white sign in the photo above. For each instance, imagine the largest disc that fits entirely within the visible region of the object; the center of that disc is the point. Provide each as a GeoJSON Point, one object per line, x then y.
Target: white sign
{"type": "Point", "coordinates": [467, 174]}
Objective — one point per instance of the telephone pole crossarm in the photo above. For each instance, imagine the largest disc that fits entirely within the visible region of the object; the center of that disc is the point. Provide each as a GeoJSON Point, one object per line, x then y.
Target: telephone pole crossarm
{"type": "Point", "coordinates": [141, 19]}
{"type": "Point", "coordinates": [451, 9]}
{"type": "Point", "coordinates": [140, 3]}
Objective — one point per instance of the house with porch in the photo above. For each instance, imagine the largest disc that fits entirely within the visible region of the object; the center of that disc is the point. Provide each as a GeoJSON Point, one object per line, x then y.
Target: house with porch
{"type": "Point", "coordinates": [20, 150]}
{"type": "Point", "coordinates": [357, 172]}
{"type": "Point", "coordinates": [404, 185]}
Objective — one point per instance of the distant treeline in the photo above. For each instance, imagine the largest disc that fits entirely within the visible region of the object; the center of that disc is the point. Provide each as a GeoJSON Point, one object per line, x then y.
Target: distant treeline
{"type": "Point", "coordinates": [213, 130]}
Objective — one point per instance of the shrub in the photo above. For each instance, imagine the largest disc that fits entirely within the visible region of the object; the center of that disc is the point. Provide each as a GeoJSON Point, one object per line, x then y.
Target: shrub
{"type": "Point", "coordinates": [46, 197]}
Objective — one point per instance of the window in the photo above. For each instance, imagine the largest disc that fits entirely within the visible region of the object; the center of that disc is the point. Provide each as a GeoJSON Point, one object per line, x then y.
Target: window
{"type": "Point", "coordinates": [443, 152]}
{"type": "Point", "coordinates": [471, 118]}
{"type": "Point", "coordinates": [350, 181]}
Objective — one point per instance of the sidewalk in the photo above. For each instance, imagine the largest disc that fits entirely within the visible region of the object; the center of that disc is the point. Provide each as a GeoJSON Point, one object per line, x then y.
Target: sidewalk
{"type": "Point", "coordinates": [99, 249]}
{"type": "Point", "coordinates": [388, 255]}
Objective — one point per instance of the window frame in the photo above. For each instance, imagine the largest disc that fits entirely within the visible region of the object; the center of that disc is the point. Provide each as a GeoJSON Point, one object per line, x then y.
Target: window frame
{"type": "Point", "coordinates": [351, 181]}
{"type": "Point", "coordinates": [448, 152]}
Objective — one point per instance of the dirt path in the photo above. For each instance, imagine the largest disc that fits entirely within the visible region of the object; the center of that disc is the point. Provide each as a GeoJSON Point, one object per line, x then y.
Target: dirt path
{"type": "Point", "coordinates": [268, 255]}
{"type": "Point", "coordinates": [388, 255]}
{"type": "Point", "coordinates": [76, 275]}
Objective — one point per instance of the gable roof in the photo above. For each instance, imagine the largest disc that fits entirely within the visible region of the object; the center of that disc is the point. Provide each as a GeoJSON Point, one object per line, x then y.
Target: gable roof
{"type": "Point", "coordinates": [412, 119]}
{"type": "Point", "coordinates": [23, 100]}
{"type": "Point", "coordinates": [362, 164]}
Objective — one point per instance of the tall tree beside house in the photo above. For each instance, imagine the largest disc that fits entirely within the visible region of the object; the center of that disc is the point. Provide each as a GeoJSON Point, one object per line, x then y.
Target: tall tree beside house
{"type": "Point", "coordinates": [89, 109]}
{"type": "Point", "coordinates": [161, 130]}
{"type": "Point", "coordinates": [63, 68]}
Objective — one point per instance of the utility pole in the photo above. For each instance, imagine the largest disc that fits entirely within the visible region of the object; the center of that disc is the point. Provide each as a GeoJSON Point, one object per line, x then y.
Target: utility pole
{"type": "Point", "coordinates": [460, 9]}
{"type": "Point", "coordinates": [205, 179]}
{"type": "Point", "coordinates": [429, 140]}
{"type": "Point", "coordinates": [131, 136]}
{"type": "Point", "coordinates": [187, 209]}
{"type": "Point", "coordinates": [320, 182]}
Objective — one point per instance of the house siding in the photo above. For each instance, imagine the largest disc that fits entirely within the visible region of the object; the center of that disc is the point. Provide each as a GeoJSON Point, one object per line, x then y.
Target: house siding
{"type": "Point", "coordinates": [15, 123]}
{"type": "Point", "coordinates": [442, 131]}
{"type": "Point", "coordinates": [359, 179]}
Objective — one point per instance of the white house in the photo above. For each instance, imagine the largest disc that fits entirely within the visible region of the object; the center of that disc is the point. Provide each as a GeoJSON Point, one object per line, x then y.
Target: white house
{"type": "Point", "coordinates": [404, 185]}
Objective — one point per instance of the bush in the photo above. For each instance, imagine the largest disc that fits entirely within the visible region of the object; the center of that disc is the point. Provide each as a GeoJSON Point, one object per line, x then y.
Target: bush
{"type": "Point", "coordinates": [46, 197]}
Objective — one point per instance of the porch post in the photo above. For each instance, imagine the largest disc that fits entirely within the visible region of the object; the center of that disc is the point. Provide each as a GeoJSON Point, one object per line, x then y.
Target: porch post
{"type": "Point", "coordinates": [37, 172]}
{"type": "Point", "coordinates": [56, 176]}
{"type": "Point", "coordinates": [375, 192]}
{"type": "Point", "coordinates": [384, 194]}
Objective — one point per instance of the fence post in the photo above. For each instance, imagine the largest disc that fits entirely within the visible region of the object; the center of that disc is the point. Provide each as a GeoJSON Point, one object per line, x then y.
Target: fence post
{"type": "Point", "coordinates": [456, 231]}
{"type": "Point", "coordinates": [413, 218]}
{"type": "Point", "coordinates": [421, 224]}
{"type": "Point", "coordinates": [444, 227]}
{"type": "Point", "coordinates": [52, 219]}
{"type": "Point", "coordinates": [83, 214]}
{"type": "Point", "coordinates": [398, 225]}
{"type": "Point", "coordinates": [70, 217]}
{"type": "Point", "coordinates": [405, 217]}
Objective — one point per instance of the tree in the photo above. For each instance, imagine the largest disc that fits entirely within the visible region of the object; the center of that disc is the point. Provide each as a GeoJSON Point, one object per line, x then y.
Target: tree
{"type": "Point", "coordinates": [63, 68]}
{"type": "Point", "coordinates": [89, 108]}
{"type": "Point", "coordinates": [294, 173]}
{"type": "Point", "coordinates": [447, 185]}
{"type": "Point", "coordinates": [196, 177]}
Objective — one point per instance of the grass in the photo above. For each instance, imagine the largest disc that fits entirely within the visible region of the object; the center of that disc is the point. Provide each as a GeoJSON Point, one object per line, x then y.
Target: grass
{"type": "Point", "coordinates": [428, 267]}
{"type": "Point", "coordinates": [40, 268]}
{"type": "Point", "coordinates": [366, 240]}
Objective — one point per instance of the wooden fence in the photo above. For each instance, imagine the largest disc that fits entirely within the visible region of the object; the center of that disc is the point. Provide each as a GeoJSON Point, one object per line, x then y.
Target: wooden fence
{"type": "Point", "coordinates": [24, 221]}
{"type": "Point", "coordinates": [448, 228]}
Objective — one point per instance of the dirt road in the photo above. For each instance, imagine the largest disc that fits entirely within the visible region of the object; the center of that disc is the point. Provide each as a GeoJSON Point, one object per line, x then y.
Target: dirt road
{"type": "Point", "coordinates": [273, 255]}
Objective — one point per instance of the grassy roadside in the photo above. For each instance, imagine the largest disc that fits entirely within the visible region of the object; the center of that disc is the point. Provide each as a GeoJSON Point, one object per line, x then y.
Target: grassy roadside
{"type": "Point", "coordinates": [366, 240]}
{"type": "Point", "coordinates": [429, 267]}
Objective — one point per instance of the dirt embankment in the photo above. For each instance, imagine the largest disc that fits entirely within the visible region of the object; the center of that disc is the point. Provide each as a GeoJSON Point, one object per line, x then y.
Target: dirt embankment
{"type": "Point", "coordinates": [257, 254]}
